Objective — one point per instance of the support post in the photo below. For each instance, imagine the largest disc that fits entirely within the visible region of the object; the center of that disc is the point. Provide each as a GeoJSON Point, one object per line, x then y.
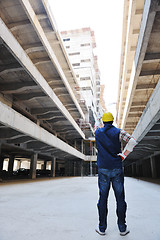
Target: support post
{"type": "Point", "coordinates": [1, 159]}
{"type": "Point", "coordinates": [153, 167]}
{"type": "Point", "coordinates": [82, 168]}
{"type": "Point", "coordinates": [75, 144]}
{"type": "Point", "coordinates": [53, 167]}
{"type": "Point", "coordinates": [91, 168]}
{"type": "Point", "coordinates": [44, 165]}
{"type": "Point", "coordinates": [133, 169]}
{"type": "Point", "coordinates": [74, 168]}
{"type": "Point", "coordinates": [82, 148]}
{"type": "Point", "coordinates": [33, 166]}
{"type": "Point", "coordinates": [1, 163]}
{"type": "Point", "coordinates": [10, 165]}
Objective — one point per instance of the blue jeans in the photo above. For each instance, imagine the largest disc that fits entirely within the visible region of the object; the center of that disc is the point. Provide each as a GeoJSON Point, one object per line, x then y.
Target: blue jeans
{"type": "Point", "coordinates": [105, 178]}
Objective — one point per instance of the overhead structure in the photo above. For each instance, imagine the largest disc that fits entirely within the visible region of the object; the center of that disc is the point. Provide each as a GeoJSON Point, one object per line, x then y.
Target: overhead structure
{"type": "Point", "coordinates": [139, 96]}
{"type": "Point", "coordinates": [39, 103]}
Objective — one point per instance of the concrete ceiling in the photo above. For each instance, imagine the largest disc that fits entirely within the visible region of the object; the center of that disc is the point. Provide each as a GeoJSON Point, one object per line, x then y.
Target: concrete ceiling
{"type": "Point", "coordinates": [141, 113]}
{"type": "Point", "coordinates": [36, 79]}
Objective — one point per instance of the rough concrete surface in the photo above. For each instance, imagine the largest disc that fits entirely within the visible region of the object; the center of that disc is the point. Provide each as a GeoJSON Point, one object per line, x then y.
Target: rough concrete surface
{"type": "Point", "coordinates": [65, 209]}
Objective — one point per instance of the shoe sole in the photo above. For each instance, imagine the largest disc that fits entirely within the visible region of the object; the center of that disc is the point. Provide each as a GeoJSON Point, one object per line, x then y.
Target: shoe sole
{"type": "Point", "coordinates": [125, 233]}
{"type": "Point", "coordinates": [102, 234]}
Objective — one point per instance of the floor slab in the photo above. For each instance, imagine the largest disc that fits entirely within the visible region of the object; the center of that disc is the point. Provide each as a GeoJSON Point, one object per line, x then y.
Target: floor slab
{"type": "Point", "coordinates": [65, 209]}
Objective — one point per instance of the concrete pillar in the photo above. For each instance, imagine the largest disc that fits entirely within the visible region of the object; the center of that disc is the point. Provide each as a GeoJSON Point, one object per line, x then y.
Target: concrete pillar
{"type": "Point", "coordinates": [33, 166]}
{"type": "Point", "coordinates": [133, 169]}
{"type": "Point", "coordinates": [153, 167]}
{"type": "Point", "coordinates": [137, 169]}
{"type": "Point", "coordinates": [53, 167]}
{"type": "Point", "coordinates": [92, 148]}
{"type": "Point", "coordinates": [1, 166]}
{"type": "Point", "coordinates": [1, 163]}
{"type": "Point", "coordinates": [75, 144]}
{"type": "Point", "coordinates": [67, 168]}
{"type": "Point", "coordinates": [1, 159]}
{"type": "Point", "coordinates": [82, 147]}
{"type": "Point", "coordinates": [44, 165]}
{"type": "Point", "coordinates": [82, 168]}
{"type": "Point", "coordinates": [74, 174]}
{"type": "Point", "coordinates": [91, 172]}
{"type": "Point", "coordinates": [10, 165]}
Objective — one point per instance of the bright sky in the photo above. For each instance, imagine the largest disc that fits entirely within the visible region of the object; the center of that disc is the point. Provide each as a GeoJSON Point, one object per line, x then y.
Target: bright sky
{"type": "Point", "coordinates": [105, 19]}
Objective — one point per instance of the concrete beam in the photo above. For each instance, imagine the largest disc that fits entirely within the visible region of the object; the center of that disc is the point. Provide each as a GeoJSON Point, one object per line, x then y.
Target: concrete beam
{"type": "Point", "coordinates": [41, 111]}
{"type": "Point", "coordinates": [33, 18]}
{"type": "Point", "coordinates": [138, 11]}
{"type": "Point", "coordinates": [13, 67]}
{"type": "Point", "coordinates": [24, 126]}
{"type": "Point", "coordinates": [91, 158]}
{"type": "Point", "coordinates": [36, 145]}
{"type": "Point", "coordinates": [150, 72]}
{"type": "Point", "coordinates": [30, 46]}
{"type": "Point", "coordinates": [50, 115]}
{"type": "Point", "coordinates": [20, 54]}
{"type": "Point", "coordinates": [138, 104]}
{"type": "Point", "coordinates": [17, 87]}
{"type": "Point", "coordinates": [18, 140]}
{"type": "Point", "coordinates": [19, 24]}
{"type": "Point", "coordinates": [34, 49]}
{"type": "Point", "coordinates": [150, 115]}
{"type": "Point", "coordinates": [42, 16]}
{"type": "Point", "coordinates": [145, 86]}
{"type": "Point", "coordinates": [152, 57]}
{"type": "Point", "coordinates": [135, 109]}
{"type": "Point", "coordinates": [29, 96]}
{"type": "Point", "coordinates": [6, 133]}
{"type": "Point", "coordinates": [41, 60]}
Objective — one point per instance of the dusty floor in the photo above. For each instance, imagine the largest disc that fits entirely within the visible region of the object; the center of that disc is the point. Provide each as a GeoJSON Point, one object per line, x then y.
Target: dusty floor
{"type": "Point", "coordinates": [65, 209]}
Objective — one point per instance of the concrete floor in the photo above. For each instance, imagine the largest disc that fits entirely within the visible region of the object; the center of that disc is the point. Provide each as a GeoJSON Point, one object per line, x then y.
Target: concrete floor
{"type": "Point", "coordinates": [65, 209]}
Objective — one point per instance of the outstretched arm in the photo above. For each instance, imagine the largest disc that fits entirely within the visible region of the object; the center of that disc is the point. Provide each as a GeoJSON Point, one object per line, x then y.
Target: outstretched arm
{"type": "Point", "coordinates": [131, 143]}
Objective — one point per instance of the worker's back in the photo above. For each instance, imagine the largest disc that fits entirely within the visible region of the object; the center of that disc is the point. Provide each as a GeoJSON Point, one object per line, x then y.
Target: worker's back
{"type": "Point", "coordinates": [108, 146]}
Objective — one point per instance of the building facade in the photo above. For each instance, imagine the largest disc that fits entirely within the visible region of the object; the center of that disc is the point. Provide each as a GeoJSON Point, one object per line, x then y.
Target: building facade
{"type": "Point", "coordinates": [80, 44]}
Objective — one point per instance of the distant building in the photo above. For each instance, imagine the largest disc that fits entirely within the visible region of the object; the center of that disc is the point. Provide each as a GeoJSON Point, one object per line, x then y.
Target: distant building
{"type": "Point", "coordinates": [79, 45]}
{"type": "Point", "coordinates": [102, 102]}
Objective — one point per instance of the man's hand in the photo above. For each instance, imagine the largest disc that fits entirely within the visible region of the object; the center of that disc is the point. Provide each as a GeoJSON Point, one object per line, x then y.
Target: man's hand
{"type": "Point", "coordinates": [122, 155]}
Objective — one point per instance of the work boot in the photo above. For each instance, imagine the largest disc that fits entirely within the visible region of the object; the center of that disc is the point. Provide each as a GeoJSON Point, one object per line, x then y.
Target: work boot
{"type": "Point", "coordinates": [99, 232]}
{"type": "Point", "coordinates": [125, 232]}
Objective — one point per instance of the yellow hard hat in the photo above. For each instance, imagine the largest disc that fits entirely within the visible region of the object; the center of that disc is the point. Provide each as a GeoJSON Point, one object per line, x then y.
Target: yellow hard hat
{"type": "Point", "coordinates": [107, 117]}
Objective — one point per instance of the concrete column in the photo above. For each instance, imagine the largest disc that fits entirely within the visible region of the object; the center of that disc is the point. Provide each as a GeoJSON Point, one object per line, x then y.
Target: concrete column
{"type": "Point", "coordinates": [133, 169]}
{"type": "Point", "coordinates": [137, 169]}
{"type": "Point", "coordinates": [82, 147]}
{"type": "Point", "coordinates": [44, 165]}
{"type": "Point", "coordinates": [1, 159]}
{"type": "Point", "coordinates": [74, 168]}
{"type": "Point", "coordinates": [91, 172]}
{"type": "Point", "coordinates": [67, 168]}
{"type": "Point", "coordinates": [1, 166]}
{"type": "Point", "coordinates": [153, 167]}
{"type": "Point", "coordinates": [53, 167]}
{"type": "Point", "coordinates": [1, 163]}
{"type": "Point", "coordinates": [10, 165]}
{"type": "Point", "coordinates": [81, 168]}
{"type": "Point", "coordinates": [33, 166]}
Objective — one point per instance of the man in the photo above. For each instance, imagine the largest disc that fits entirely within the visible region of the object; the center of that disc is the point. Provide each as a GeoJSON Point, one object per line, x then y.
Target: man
{"type": "Point", "coordinates": [109, 161]}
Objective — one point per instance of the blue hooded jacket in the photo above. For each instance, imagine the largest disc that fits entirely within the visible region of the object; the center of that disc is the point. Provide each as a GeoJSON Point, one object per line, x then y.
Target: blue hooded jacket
{"type": "Point", "coordinates": [108, 146]}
